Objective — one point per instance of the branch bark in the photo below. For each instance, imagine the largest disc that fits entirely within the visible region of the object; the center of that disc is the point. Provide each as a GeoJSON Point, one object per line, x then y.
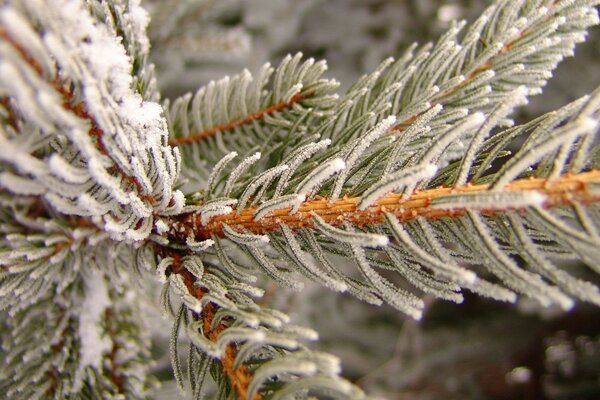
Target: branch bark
{"type": "Point", "coordinates": [565, 190]}
{"type": "Point", "coordinates": [239, 378]}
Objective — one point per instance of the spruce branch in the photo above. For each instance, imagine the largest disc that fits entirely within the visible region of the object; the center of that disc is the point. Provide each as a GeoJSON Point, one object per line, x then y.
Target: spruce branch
{"type": "Point", "coordinates": [246, 113]}
{"type": "Point", "coordinates": [239, 377]}
{"type": "Point", "coordinates": [410, 172]}
{"type": "Point", "coordinates": [436, 203]}
{"type": "Point", "coordinates": [93, 151]}
{"type": "Point", "coordinates": [249, 119]}
{"type": "Point", "coordinates": [127, 23]}
{"type": "Point", "coordinates": [56, 147]}
{"type": "Point", "coordinates": [526, 34]}
{"type": "Point", "coordinates": [413, 193]}
{"type": "Point", "coordinates": [78, 108]}
{"type": "Point", "coordinates": [223, 322]}
{"type": "Point", "coordinates": [509, 46]}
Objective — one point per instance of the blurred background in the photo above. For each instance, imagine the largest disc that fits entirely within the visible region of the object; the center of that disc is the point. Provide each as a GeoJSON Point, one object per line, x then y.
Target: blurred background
{"type": "Point", "coordinates": [480, 349]}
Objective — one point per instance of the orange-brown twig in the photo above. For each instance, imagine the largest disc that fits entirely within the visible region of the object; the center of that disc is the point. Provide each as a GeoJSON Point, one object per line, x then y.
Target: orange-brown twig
{"type": "Point", "coordinates": [564, 190]}
{"type": "Point", "coordinates": [240, 377]}
{"type": "Point", "coordinates": [248, 119]}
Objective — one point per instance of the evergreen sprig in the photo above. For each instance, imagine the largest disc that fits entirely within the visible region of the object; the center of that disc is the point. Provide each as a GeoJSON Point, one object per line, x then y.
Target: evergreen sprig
{"type": "Point", "coordinates": [411, 172]}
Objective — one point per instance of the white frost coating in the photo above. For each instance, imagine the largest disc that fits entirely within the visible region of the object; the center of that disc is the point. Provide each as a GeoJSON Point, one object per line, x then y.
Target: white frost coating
{"type": "Point", "coordinates": [13, 82]}
{"type": "Point", "coordinates": [328, 363]}
{"type": "Point", "coordinates": [275, 367]}
{"type": "Point", "coordinates": [516, 98]}
{"type": "Point", "coordinates": [94, 207]}
{"type": "Point", "coordinates": [309, 267]}
{"type": "Point", "coordinates": [202, 342]}
{"type": "Point", "coordinates": [17, 26]}
{"type": "Point", "coordinates": [250, 290]}
{"type": "Point", "coordinates": [302, 332]}
{"type": "Point", "coordinates": [62, 169]}
{"type": "Point", "coordinates": [117, 226]}
{"type": "Point", "coordinates": [239, 170]}
{"type": "Point", "coordinates": [418, 127]}
{"type": "Point", "coordinates": [569, 284]}
{"type": "Point", "coordinates": [405, 179]}
{"type": "Point", "coordinates": [132, 132]}
{"type": "Point", "coordinates": [239, 334]}
{"type": "Point", "coordinates": [529, 156]}
{"type": "Point", "coordinates": [194, 263]}
{"type": "Point", "coordinates": [263, 179]}
{"type": "Point", "coordinates": [279, 276]}
{"type": "Point", "coordinates": [178, 199]}
{"type": "Point", "coordinates": [244, 238]}
{"type": "Point", "coordinates": [319, 174]}
{"type": "Point", "coordinates": [380, 129]}
{"type": "Point", "coordinates": [491, 290]}
{"type": "Point", "coordinates": [490, 200]}
{"type": "Point", "coordinates": [94, 341]}
{"type": "Point", "coordinates": [289, 95]}
{"type": "Point", "coordinates": [355, 238]}
{"type": "Point", "coordinates": [453, 134]}
{"type": "Point", "coordinates": [138, 171]}
{"type": "Point", "coordinates": [139, 207]}
{"type": "Point", "coordinates": [198, 246]}
{"type": "Point", "coordinates": [512, 274]}
{"type": "Point", "coordinates": [357, 150]}
{"type": "Point", "coordinates": [161, 268]}
{"type": "Point", "coordinates": [218, 202]}
{"type": "Point", "coordinates": [445, 267]}
{"type": "Point", "coordinates": [19, 185]}
{"type": "Point", "coordinates": [137, 234]}
{"type": "Point", "coordinates": [295, 159]}
{"type": "Point", "coordinates": [291, 200]}
{"type": "Point", "coordinates": [212, 211]}
{"type": "Point", "coordinates": [161, 226]}
{"type": "Point", "coordinates": [138, 19]}
{"type": "Point", "coordinates": [588, 123]}
{"type": "Point", "coordinates": [396, 297]}
{"type": "Point", "coordinates": [218, 169]}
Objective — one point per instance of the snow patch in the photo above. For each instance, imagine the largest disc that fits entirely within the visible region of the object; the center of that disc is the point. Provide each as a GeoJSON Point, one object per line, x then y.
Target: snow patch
{"type": "Point", "coordinates": [94, 341]}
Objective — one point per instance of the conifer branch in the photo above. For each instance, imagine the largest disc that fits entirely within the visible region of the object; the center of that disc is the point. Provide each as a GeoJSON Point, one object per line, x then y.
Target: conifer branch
{"type": "Point", "coordinates": [246, 110]}
{"type": "Point", "coordinates": [566, 190]}
{"type": "Point", "coordinates": [70, 103]}
{"type": "Point", "coordinates": [90, 177]}
{"type": "Point", "coordinates": [240, 377]}
{"type": "Point", "coordinates": [484, 66]}
{"type": "Point", "coordinates": [239, 122]}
